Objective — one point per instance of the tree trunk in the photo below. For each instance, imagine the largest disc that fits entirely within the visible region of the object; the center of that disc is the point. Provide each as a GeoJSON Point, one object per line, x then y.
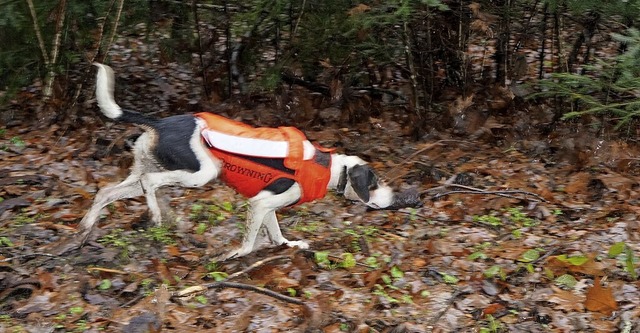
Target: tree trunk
{"type": "Point", "coordinates": [543, 38]}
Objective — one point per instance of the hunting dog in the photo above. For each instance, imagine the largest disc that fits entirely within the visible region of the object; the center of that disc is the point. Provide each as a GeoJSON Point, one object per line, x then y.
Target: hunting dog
{"type": "Point", "coordinates": [283, 169]}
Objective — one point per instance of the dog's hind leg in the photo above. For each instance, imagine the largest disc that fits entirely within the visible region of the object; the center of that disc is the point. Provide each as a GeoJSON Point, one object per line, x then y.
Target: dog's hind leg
{"type": "Point", "coordinates": [129, 188]}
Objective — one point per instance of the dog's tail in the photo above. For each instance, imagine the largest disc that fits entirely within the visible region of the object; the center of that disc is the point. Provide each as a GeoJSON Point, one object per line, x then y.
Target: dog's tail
{"type": "Point", "coordinates": [104, 94]}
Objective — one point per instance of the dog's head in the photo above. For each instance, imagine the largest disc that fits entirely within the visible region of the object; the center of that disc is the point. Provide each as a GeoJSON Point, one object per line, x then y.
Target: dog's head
{"type": "Point", "coordinates": [357, 181]}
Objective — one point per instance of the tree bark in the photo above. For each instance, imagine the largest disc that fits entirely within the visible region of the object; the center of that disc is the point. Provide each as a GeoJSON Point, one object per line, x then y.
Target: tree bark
{"type": "Point", "coordinates": [543, 37]}
{"type": "Point", "coordinates": [51, 74]}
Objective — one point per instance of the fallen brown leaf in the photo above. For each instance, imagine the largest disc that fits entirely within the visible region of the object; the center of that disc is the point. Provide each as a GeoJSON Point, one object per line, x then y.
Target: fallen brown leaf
{"type": "Point", "coordinates": [600, 299]}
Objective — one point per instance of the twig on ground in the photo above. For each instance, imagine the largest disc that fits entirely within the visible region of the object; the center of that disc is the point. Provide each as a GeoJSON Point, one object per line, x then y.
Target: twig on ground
{"type": "Point", "coordinates": [106, 270]}
{"type": "Point", "coordinates": [473, 190]}
{"type": "Point", "coordinates": [191, 291]}
{"type": "Point", "coordinates": [29, 255]}
{"type": "Point", "coordinates": [257, 264]}
{"type": "Point", "coordinates": [392, 235]}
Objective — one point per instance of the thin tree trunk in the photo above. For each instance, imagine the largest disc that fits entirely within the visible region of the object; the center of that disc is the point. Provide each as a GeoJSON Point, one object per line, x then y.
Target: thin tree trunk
{"type": "Point", "coordinates": [36, 28]}
{"type": "Point", "coordinates": [295, 29]}
{"type": "Point", "coordinates": [48, 89]}
{"type": "Point", "coordinates": [205, 84]}
{"type": "Point", "coordinates": [51, 74]}
{"type": "Point", "coordinates": [562, 63]}
{"type": "Point", "coordinates": [428, 77]}
{"type": "Point", "coordinates": [543, 37]}
{"type": "Point", "coordinates": [590, 27]}
{"type": "Point", "coordinates": [228, 42]}
{"type": "Point", "coordinates": [502, 47]}
{"type": "Point", "coordinates": [114, 29]}
{"type": "Point", "coordinates": [413, 76]}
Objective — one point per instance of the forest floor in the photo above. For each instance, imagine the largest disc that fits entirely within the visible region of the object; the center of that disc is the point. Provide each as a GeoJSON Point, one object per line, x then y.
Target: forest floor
{"type": "Point", "coordinates": [481, 254]}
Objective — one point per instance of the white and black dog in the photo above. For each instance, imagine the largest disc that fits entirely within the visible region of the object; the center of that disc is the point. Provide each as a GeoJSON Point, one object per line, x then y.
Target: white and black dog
{"type": "Point", "coordinates": [174, 151]}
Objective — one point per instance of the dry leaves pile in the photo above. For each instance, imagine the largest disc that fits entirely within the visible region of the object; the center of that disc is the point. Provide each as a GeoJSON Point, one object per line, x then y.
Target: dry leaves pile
{"type": "Point", "coordinates": [463, 262]}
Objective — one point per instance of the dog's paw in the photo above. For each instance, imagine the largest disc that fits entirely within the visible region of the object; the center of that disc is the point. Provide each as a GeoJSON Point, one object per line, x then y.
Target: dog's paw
{"type": "Point", "coordinates": [233, 254]}
{"type": "Point", "coordinates": [300, 244]}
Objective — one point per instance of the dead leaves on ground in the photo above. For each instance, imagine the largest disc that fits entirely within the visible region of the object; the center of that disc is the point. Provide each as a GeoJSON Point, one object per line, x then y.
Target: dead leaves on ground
{"type": "Point", "coordinates": [600, 299]}
{"type": "Point", "coordinates": [460, 260]}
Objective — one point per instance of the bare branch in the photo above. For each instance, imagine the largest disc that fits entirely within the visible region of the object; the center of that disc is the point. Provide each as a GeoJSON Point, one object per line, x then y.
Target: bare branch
{"type": "Point", "coordinates": [473, 190]}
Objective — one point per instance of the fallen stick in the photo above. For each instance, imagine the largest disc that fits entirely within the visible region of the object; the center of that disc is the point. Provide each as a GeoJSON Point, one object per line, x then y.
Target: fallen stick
{"type": "Point", "coordinates": [256, 265]}
{"type": "Point", "coordinates": [190, 292]}
{"type": "Point", "coordinates": [473, 190]}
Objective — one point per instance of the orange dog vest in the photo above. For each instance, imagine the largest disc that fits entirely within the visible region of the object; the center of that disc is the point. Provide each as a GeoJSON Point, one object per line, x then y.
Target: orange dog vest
{"type": "Point", "coordinates": [253, 158]}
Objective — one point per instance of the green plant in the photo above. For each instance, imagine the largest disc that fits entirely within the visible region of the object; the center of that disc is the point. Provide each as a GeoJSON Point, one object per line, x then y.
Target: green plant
{"type": "Point", "coordinates": [449, 279]}
{"type": "Point", "coordinates": [348, 260]}
{"type": "Point", "coordinates": [5, 241]}
{"type": "Point", "coordinates": [310, 226]}
{"type": "Point", "coordinates": [322, 259]}
{"type": "Point", "coordinates": [17, 141]}
{"type": "Point", "coordinates": [218, 276]}
{"type": "Point", "coordinates": [201, 228]}
{"type": "Point", "coordinates": [576, 260]}
{"type": "Point", "coordinates": [528, 257]}
{"type": "Point", "coordinates": [147, 286]}
{"type": "Point", "coordinates": [368, 232]}
{"type": "Point", "coordinates": [104, 284]}
{"type": "Point", "coordinates": [625, 255]}
{"type": "Point", "coordinates": [210, 214]}
{"type": "Point", "coordinates": [493, 325]}
{"type": "Point", "coordinates": [160, 234]}
{"type": "Point", "coordinates": [22, 218]}
{"type": "Point", "coordinates": [372, 262]}
{"type": "Point", "coordinates": [76, 310]}
{"type": "Point", "coordinates": [494, 271]}
{"type": "Point", "coordinates": [566, 280]}
{"type": "Point", "coordinates": [519, 217]}
{"type": "Point", "coordinates": [491, 220]}
{"type": "Point", "coordinates": [116, 238]}
{"type": "Point", "coordinates": [212, 266]}
{"type": "Point", "coordinates": [379, 290]}
{"type": "Point", "coordinates": [81, 326]}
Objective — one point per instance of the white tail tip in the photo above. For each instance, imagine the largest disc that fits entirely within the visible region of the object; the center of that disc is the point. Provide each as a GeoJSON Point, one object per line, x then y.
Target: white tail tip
{"type": "Point", "coordinates": [104, 91]}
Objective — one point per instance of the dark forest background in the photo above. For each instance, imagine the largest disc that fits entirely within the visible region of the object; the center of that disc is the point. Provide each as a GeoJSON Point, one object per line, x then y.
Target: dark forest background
{"type": "Point", "coordinates": [437, 65]}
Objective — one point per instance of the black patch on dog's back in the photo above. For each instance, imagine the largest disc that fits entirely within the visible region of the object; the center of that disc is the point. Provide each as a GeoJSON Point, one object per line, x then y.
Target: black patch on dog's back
{"type": "Point", "coordinates": [173, 150]}
{"type": "Point", "coordinates": [322, 158]}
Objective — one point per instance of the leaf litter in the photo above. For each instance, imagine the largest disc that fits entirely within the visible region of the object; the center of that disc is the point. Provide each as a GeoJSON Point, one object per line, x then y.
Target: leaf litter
{"type": "Point", "coordinates": [461, 262]}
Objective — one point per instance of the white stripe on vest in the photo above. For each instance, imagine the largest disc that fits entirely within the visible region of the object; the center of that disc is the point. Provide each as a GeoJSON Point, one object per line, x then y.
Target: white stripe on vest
{"type": "Point", "coordinates": [251, 146]}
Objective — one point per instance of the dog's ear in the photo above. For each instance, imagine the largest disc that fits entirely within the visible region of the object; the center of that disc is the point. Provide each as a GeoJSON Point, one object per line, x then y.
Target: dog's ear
{"type": "Point", "coordinates": [363, 179]}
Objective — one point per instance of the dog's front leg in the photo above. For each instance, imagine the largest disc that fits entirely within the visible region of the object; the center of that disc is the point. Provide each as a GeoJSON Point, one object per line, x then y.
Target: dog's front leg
{"type": "Point", "coordinates": [262, 209]}
{"type": "Point", "coordinates": [255, 217]}
{"type": "Point", "coordinates": [275, 234]}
